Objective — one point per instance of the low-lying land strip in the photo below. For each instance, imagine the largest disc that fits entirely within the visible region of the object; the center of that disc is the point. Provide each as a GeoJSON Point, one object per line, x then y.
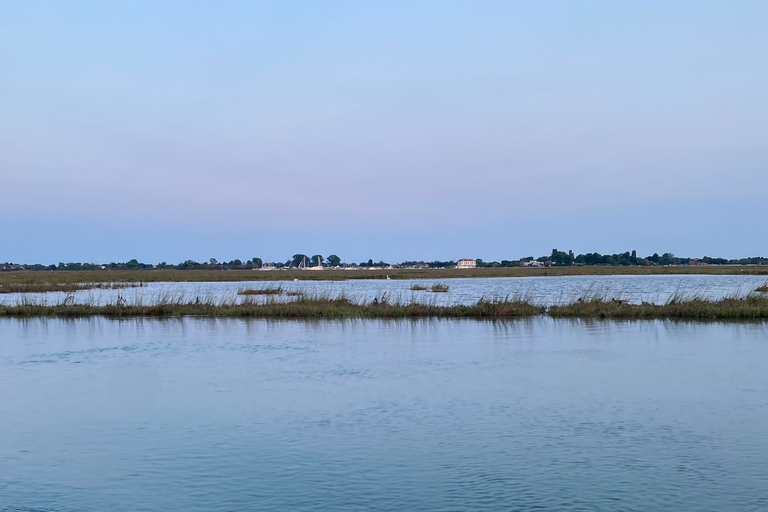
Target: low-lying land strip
{"type": "Point", "coordinates": [33, 287]}
{"type": "Point", "coordinates": [752, 307]}
{"type": "Point", "coordinates": [146, 276]}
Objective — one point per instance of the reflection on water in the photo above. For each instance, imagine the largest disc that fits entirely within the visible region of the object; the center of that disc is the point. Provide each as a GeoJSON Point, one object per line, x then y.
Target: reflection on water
{"type": "Point", "coordinates": [534, 414]}
{"type": "Point", "coordinates": [545, 290]}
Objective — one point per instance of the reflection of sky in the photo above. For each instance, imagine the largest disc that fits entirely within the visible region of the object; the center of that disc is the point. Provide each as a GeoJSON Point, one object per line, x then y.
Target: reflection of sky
{"type": "Point", "coordinates": [172, 131]}
{"type": "Point", "coordinates": [538, 290]}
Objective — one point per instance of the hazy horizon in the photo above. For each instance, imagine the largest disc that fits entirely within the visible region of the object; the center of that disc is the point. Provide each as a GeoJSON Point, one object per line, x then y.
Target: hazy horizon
{"type": "Point", "coordinates": [396, 131]}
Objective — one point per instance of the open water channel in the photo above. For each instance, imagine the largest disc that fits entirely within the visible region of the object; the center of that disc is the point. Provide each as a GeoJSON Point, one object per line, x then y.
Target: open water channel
{"type": "Point", "coordinates": [228, 415]}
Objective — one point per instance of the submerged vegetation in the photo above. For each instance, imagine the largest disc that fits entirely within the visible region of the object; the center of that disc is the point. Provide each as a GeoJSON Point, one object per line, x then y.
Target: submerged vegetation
{"type": "Point", "coordinates": [751, 307]}
{"type": "Point", "coordinates": [418, 287]}
{"type": "Point", "coordinates": [439, 288]}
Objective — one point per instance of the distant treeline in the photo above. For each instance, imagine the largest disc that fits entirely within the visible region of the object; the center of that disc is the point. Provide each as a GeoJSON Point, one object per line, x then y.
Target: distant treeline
{"type": "Point", "coordinates": [557, 258]}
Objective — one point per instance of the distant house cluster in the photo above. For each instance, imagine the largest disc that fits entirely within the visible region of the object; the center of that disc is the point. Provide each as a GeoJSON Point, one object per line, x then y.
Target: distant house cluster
{"type": "Point", "coordinates": [466, 263]}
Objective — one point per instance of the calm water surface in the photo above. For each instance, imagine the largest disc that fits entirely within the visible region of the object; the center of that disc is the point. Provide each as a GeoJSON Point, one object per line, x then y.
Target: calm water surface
{"type": "Point", "coordinates": [231, 415]}
{"type": "Point", "coordinates": [545, 290]}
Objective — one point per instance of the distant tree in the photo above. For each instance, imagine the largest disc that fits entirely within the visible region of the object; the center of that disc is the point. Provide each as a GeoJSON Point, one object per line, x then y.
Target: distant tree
{"type": "Point", "coordinates": [334, 260]}
{"type": "Point", "coordinates": [297, 260]}
{"type": "Point", "coordinates": [256, 262]}
{"type": "Point", "coordinates": [213, 261]}
{"type": "Point", "coordinates": [316, 259]}
{"type": "Point", "coordinates": [133, 264]}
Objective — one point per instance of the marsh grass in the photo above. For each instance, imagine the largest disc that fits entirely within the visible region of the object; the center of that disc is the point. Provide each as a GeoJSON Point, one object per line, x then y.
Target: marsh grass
{"type": "Point", "coordinates": [316, 305]}
{"type": "Point", "coordinates": [418, 287]}
{"type": "Point", "coordinates": [751, 307]}
{"type": "Point", "coordinates": [29, 287]}
{"type": "Point", "coordinates": [262, 291]}
{"type": "Point", "coordinates": [762, 288]}
{"type": "Point", "coordinates": [439, 288]}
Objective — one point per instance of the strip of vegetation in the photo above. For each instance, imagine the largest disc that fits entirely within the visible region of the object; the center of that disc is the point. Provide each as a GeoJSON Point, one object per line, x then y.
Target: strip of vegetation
{"type": "Point", "coordinates": [418, 287]}
{"type": "Point", "coordinates": [753, 307]}
{"type": "Point", "coordinates": [261, 291]}
{"type": "Point", "coordinates": [439, 288]}
{"type": "Point", "coordinates": [762, 289]}
{"type": "Point", "coordinates": [146, 276]}
{"type": "Point", "coordinates": [340, 307]}
{"type": "Point", "coordinates": [26, 287]}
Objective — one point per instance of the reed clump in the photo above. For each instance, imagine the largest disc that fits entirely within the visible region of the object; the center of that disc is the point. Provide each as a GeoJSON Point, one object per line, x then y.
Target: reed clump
{"type": "Point", "coordinates": [762, 288]}
{"type": "Point", "coordinates": [418, 287]}
{"type": "Point", "coordinates": [751, 307]}
{"type": "Point", "coordinates": [439, 288]}
{"type": "Point", "coordinates": [261, 291]}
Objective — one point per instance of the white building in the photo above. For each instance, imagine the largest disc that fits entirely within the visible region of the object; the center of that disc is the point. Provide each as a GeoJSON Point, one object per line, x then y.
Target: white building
{"type": "Point", "coordinates": [533, 263]}
{"type": "Point", "coordinates": [466, 263]}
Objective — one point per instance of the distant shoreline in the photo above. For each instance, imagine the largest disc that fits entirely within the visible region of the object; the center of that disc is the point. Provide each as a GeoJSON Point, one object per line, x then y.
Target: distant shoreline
{"type": "Point", "coordinates": [14, 278]}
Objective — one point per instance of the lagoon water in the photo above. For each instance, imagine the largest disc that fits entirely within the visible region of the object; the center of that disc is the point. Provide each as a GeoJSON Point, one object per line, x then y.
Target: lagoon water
{"type": "Point", "coordinates": [229, 415]}
{"type": "Point", "coordinates": [544, 290]}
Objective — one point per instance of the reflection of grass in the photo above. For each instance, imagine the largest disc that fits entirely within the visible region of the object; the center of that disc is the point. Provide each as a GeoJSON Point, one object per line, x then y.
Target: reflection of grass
{"type": "Point", "coordinates": [260, 291]}
{"type": "Point", "coordinates": [26, 287]}
{"type": "Point", "coordinates": [326, 306]}
{"type": "Point", "coordinates": [418, 287]}
{"type": "Point", "coordinates": [439, 288]}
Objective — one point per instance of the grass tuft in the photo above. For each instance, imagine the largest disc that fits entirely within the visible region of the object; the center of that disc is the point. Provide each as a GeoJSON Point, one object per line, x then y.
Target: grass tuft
{"type": "Point", "coordinates": [439, 288]}
{"type": "Point", "coordinates": [261, 291]}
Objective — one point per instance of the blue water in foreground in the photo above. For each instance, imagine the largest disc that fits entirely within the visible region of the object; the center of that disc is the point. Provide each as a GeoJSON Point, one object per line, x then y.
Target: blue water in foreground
{"type": "Point", "coordinates": [231, 415]}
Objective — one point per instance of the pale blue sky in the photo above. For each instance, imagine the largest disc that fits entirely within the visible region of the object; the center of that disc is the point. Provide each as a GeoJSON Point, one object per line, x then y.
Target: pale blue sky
{"type": "Point", "coordinates": [395, 130]}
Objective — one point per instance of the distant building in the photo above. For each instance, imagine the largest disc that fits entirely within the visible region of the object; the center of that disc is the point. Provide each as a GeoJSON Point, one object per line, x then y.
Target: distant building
{"type": "Point", "coordinates": [466, 263]}
{"type": "Point", "coordinates": [533, 263]}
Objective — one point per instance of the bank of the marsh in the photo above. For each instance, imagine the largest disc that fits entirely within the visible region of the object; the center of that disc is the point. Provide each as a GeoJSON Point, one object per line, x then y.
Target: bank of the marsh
{"type": "Point", "coordinates": [30, 286]}
{"type": "Point", "coordinates": [752, 307]}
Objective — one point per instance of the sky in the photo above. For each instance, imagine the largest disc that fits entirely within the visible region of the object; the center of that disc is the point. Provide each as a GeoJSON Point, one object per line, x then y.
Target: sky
{"type": "Point", "coordinates": [175, 130]}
